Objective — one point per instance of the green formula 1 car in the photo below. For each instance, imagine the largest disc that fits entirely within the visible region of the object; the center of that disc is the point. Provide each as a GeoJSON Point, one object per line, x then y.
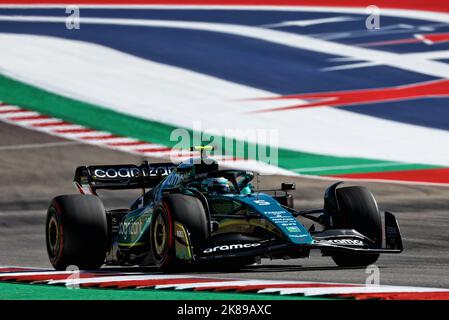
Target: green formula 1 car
{"type": "Point", "coordinates": [196, 213]}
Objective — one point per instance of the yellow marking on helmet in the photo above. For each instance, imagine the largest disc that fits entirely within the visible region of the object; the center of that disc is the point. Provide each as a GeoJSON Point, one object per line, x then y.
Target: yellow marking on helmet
{"type": "Point", "coordinates": [202, 148]}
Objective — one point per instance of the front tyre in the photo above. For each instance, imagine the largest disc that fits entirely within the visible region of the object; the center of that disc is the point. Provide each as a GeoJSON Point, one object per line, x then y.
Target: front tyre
{"type": "Point", "coordinates": [76, 232]}
{"type": "Point", "coordinates": [161, 238]}
{"type": "Point", "coordinates": [359, 211]}
{"type": "Point", "coordinates": [186, 210]}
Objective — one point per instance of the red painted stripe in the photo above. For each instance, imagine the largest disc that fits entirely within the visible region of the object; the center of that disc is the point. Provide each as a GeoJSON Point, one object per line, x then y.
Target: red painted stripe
{"type": "Point", "coordinates": [38, 117]}
{"type": "Point", "coordinates": [439, 175]}
{"type": "Point", "coordinates": [77, 130]}
{"type": "Point", "coordinates": [149, 282]}
{"type": "Point", "coordinates": [258, 287]}
{"type": "Point", "coordinates": [153, 150]}
{"type": "Point", "coordinates": [14, 269]}
{"type": "Point", "coordinates": [52, 124]}
{"type": "Point", "coordinates": [103, 137]}
{"type": "Point", "coordinates": [129, 143]}
{"type": "Point", "coordinates": [11, 111]}
{"type": "Point", "coordinates": [428, 5]}
{"type": "Point", "coordinates": [389, 42]}
{"type": "Point", "coordinates": [436, 37]}
{"type": "Point", "coordinates": [435, 88]}
{"type": "Point", "coordinates": [398, 296]}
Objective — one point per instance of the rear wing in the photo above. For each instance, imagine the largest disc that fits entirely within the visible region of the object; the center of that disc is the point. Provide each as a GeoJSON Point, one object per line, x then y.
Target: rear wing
{"type": "Point", "coordinates": [88, 179]}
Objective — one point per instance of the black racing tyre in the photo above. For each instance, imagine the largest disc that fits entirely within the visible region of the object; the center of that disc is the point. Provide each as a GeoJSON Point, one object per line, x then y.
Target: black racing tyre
{"type": "Point", "coordinates": [187, 210]}
{"type": "Point", "coordinates": [359, 211]}
{"type": "Point", "coordinates": [76, 232]}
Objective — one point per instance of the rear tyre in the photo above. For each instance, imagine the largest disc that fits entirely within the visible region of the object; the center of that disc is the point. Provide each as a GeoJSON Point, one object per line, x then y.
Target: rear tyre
{"type": "Point", "coordinates": [188, 211]}
{"type": "Point", "coordinates": [359, 211]}
{"type": "Point", "coordinates": [76, 232]}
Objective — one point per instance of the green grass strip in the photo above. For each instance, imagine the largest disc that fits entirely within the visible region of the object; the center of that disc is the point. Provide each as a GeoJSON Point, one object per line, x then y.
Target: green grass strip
{"type": "Point", "coordinates": [13, 291]}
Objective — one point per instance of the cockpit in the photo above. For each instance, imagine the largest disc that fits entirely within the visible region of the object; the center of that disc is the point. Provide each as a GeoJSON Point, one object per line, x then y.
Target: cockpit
{"type": "Point", "coordinates": [223, 182]}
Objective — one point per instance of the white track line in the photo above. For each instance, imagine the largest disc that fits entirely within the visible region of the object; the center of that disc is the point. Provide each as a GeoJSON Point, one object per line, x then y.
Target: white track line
{"type": "Point", "coordinates": [51, 130]}
{"type": "Point", "coordinates": [34, 122]}
{"type": "Point", "coordinates": [121, 279]}
{"type": "Point", "coordinates": [18, 114]}
{"type": "Point", "coordinates": [348, 290]}
{"type": "Point", "coordinates": [227, 161]}
{"type": "Point", "coordinates": [235, 282]}
{"type": "Point", "coordinates": [89, 135]}
{"type": "Point", "coordinates": [102, 141]}
{"type": "Point", "coordinates": [5, 108]}
{"type": "Point", "coordinates": [214, 283]}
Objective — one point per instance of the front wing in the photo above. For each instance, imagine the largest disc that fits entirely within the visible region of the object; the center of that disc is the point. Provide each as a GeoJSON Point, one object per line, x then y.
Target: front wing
{"type": "Point", "coordinates": [349, 241]}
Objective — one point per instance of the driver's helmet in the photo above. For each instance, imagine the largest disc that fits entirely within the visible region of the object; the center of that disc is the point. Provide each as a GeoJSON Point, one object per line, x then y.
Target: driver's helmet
{"type": "Point", "coordinates": [216, 185]}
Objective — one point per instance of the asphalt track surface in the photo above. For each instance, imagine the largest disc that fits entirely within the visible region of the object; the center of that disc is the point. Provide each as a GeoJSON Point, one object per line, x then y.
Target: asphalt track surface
{"type": "Point", "coordinates": [35, 167]}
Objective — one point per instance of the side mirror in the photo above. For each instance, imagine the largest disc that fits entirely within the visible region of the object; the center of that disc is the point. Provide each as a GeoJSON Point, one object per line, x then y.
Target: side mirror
{"type": "Point", "coordinates": [288, 186]}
